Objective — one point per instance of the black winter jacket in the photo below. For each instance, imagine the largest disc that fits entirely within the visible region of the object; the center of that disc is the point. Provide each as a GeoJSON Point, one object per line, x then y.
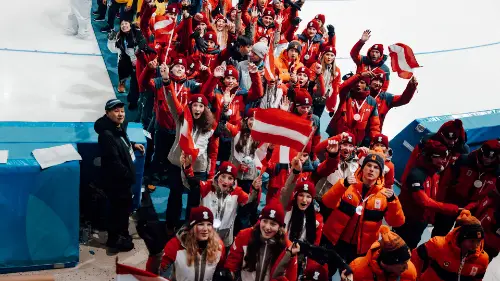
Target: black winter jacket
{"type": "Point", "coordinates": [117, 168]}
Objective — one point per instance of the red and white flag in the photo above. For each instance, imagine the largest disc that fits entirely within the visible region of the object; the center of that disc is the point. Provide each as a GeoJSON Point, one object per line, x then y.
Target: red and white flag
{"type": "Point", "coordinates": [128, 273]}
{"type": "Point", "coordinates": [164, 28]}
{"type": "Point", "coordinates": [281, 128]}
{"type": "Point", "coordinates": [186, 141]}
{"type": "Point", "coordinates": [269, 65]}
{"type": "Point", "coordinates": [403, 60]}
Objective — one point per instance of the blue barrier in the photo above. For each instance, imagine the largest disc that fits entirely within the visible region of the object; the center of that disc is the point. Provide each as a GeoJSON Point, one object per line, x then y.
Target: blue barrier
{"type": "Point", "coordinates": [40, 211]}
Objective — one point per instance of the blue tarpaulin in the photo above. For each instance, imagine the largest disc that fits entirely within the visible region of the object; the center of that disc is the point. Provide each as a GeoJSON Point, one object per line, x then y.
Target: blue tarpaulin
{"type": "Point", "coordinates": [480, 127]}
{"type": "Point", "coordinates": [80, 133]}
{"type": "Point", "coordinates": [40, 211]}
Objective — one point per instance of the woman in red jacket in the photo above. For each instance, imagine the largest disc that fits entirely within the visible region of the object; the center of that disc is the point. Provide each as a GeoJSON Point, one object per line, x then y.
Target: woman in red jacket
{"type": "Point", "coordinates": [263, 252]}
{"type": "Point", "coordinates": [195, 244]}
{"type": "Point", "coordinates": [331, 79]}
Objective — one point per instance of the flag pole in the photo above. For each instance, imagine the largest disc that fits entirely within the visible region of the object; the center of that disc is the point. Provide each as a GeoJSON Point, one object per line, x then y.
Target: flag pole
{"type": "Point", "coordinates": [309, 138]}
{"type": "Point", "coordinates": [170, 40]}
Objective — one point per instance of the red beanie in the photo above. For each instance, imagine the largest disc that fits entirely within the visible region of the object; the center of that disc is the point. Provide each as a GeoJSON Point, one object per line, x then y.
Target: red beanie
{"type": "Point", "coordinates": [302, 97]}
{"type": "Point", "coordinates": [452, 129]}
{"type": "Point", "coordinates": [211, 36]}
{"type": "Point", "coordinates": [490, 148]}
{"type": "Point", "coordinates": [348, 137]}
{"type": "Point", "coordinates": [435, 148]}
{"type": "Point", "coordinates": [313, 24]}
{"type": "Point", "coordinates": [198, 98]}
{"type": "Point", "coordinates": [273, 211]}
{"type": "Point", "coordinates": [180, 60]}
{"type": "Point", "coordinates": [304, 69]}
{"type": "Point", "coordinates": [199, 214]}
{"type": "Point", "coordinates": [203, 20]}
{"type": "Point", "coordinates": [315, 272]}
{"type": "Point", "coordinates": [378, 47]}
{"type": "Point", "coordinates": [172, 9]}
{"type": "Point", "coordinates": [227, 167]}
{"type": "Point", "coordinates": [320, 17]}
{"type": "Point", "coordinates": [268, 12]}
{"type": "Point", "coordinates": [328, 49]}
{"type": "Point", "coordinates": [220, 17]}
{"type": "Point", "coordinates": [305, 186]}
{"type": "Point", "coordinates": [380, 138]}
{"type": "Point", "coordinates": [231, 71]}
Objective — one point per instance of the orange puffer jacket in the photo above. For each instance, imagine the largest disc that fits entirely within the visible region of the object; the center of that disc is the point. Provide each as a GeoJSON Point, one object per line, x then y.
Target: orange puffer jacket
{"type": "Point", "coordinates": [440, 259]}
{"type": "Point", "coordinates": [367, 268]}
{"type": "Point", "coordinates": [362, 230]}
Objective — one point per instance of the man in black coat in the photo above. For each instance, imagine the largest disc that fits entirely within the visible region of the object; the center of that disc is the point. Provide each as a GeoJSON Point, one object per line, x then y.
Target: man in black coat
{"type": "Point", "coordinates": [118, 172]}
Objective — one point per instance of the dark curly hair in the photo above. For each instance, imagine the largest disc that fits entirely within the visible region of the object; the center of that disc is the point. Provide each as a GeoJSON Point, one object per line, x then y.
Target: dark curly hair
{"type": "Point", "coordinates": [205, 122]}
{"type": "Point", "coordinates": [253, 250]}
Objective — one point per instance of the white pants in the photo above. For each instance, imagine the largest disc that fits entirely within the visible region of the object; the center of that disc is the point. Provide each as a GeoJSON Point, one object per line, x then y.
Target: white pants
{"type": "Point", "coordinates": [79, 17]}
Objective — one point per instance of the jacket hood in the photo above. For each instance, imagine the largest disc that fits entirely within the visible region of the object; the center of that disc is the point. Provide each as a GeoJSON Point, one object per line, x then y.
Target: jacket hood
{"type": "Point", "coordinates": [105, 124]}
{"type": "Point", "coordinates": [303, 37]}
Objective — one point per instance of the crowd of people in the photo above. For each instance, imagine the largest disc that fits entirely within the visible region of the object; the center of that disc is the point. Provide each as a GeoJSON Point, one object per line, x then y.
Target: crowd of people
{"type": "Point", "coordinates": [211, 62]}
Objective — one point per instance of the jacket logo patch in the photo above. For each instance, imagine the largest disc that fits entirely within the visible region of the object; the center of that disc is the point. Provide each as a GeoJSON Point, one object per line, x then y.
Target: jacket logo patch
{"type": "Point", "coordinates": [473, 271]}
{"type": "Point", "coordinates": [378, 204]}
{"type": "Point", "coordinates": [316, 275]}
{"type": "Point", "coordinates": [446, 263]}
{"type": "Point", "coordinates": [205, 215]}
{"type": "Point", "coordinates": [349, 196]}
{"type": "Point", "coordinates": [272, 214]}
{"type": "Point", "coordinates": [469, 173]}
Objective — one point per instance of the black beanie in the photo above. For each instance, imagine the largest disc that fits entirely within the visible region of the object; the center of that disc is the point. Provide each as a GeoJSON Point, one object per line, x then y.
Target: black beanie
{"type": "Point", "coordinates": [375, 158]}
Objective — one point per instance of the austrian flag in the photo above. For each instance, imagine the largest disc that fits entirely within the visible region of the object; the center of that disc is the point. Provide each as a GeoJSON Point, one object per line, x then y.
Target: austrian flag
{"type": "Point", "coordinates": [128, 273]}
{"type": "Point", "coordinates": [282, 128]}
{"type": "Point", "coordinates": [186, 141]}
{"type": "Point", "coordinates": [403, 60]}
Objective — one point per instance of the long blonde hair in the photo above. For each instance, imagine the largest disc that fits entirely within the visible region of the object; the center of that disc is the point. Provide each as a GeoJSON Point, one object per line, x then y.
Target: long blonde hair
{"type": "Point", "coordinates": [188, 239]}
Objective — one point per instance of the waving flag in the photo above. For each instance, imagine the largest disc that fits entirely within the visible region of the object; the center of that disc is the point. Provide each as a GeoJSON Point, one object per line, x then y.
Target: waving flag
{"type": "Point", "coordinates": [403, 60]}
{"type": "Point", "coordinates": [186, 141]}
{"type": "Point", "coordinates": [282, 128]}
{"type": "Point", "coordinates": [269, 65]}
{"type": "Point", "coordinates": [128, 273]}
{"type": "Point", "coordinates": [163, 28]}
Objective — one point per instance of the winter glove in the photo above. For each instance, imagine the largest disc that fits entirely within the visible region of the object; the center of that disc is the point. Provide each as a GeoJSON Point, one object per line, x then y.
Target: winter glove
{"type": "Point", "coordinates": [331, 30]}
{"type": "Point", "coordinates": [201, 44]}
{"type": "Point", "coordinates": [240, 4]}
{"type": "Point", "coordinates": [149, 51]}
{"type": "Point", "coordinates": [112, 35]}
{"type": "Point", "coordinates": [296, 21]}
{"type": "Point", "coordinates": [347, 76]}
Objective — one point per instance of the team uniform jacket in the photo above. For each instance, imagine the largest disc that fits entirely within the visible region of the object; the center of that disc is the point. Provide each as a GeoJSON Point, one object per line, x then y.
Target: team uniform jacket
{"type": "Point", "coordinates": [488, 213]}
{"type": "Point", "coordinates": [440, 259]}
{"type": "Point", "coordinates": [386, 101]}
{"type": "Point", "coordinates": [419, 196]}
{"type": "Point", "coordinates": [457, 182]}
{"type": "Point", "coordinates": [367, 268]}
{"type": "Point", "coordinates": [235, 260]}
{"type": "Point", "coordinates": [223, 206]}
{"type": "Point", "coordinates": [175, 253]}
{"type": "Point", "coordinates": [343, 120]}
{"type": "Point", "coordinates": [360, 230]}
{"type": "Point", "coordinates": [364, 63]}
